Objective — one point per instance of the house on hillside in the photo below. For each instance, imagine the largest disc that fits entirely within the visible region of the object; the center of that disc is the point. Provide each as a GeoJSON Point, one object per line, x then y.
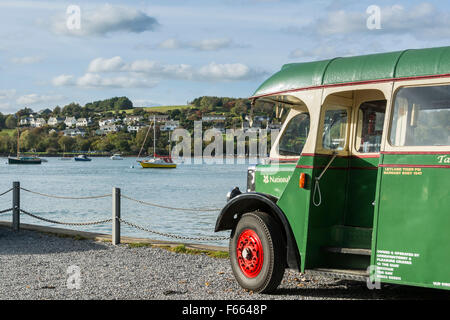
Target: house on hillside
{"type": "Point", "coordinates": [135, 127]}
{"type": "Point", "coordinates": [70, 122]}
{"type": "Point", "coordinates": [170, 125]}
{"type": "Point", "coordinates": [132, 119]}
{"type": "Point", "coordinates": [26, 121]}
{"type": "Point", "coordinates": [111, 128]}
{"type": "Point", "coordinates": [213, 118]}
{"type": "Point", "coordinates": [39, 122]}
{"type": "Point", "coordinates": [54, 121]}
{"type": "Point", "coordinates": [104, 122]}
{"type": "Point", "coordinates": [74, 132]}
{"type": "Point", "coordinates": [159, 117]}
{"type": "Point", "coordinates": [82, 122]}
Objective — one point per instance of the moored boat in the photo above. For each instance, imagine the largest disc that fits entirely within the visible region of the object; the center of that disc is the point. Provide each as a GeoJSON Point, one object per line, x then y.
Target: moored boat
{"type": "Point", "coordinates": [82, 157]}
{"type": "Point", "coordinates": [116, 156]}
{"type": "Point", "coordinates": [24, 160]}
{"type": "Point", "coordinates": [160, 162]}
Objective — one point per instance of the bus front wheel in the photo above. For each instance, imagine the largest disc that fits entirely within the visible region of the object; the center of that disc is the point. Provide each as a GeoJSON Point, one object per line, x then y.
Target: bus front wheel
{"type": "Point", "coordinates": [257, 252]}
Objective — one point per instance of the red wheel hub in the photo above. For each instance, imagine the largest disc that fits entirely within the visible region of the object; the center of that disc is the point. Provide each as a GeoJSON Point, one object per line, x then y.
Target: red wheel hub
{"type": "Point", "coordinates": [250, 253]}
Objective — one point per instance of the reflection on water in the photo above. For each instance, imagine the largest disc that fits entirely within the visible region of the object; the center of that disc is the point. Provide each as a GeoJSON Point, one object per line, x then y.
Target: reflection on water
{"type": "Point", "coordinates": [188, 186]}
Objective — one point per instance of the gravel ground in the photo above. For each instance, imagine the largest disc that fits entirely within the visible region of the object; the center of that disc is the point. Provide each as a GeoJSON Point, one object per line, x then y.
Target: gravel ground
{"type": "Point", "coordinates": [35, 266]}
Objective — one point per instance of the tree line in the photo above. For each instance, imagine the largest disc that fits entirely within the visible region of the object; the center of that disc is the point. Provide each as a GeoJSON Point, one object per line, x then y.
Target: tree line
{"type": "Point", "coordinates": [46, 140]}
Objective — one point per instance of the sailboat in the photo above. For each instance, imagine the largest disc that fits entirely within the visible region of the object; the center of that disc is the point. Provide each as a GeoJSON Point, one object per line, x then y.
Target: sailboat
{"type": "Point", "coordinates": [64, 155]}
{"type": "Point", "coordinates": [22, 160]}
{"type": "Point", "coordinates": [160, 162]}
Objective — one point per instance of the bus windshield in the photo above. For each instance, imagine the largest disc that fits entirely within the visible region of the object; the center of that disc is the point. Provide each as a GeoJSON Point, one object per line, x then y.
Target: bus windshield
{"type": "Point", "coordinates": [294, 136]}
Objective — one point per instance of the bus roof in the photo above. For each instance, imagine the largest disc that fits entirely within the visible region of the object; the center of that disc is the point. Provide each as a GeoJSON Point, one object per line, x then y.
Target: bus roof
{"type": "Point", "coordinates": [382, 66]}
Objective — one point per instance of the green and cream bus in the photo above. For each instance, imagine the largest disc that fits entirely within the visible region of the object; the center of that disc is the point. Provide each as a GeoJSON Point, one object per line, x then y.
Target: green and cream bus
{"type": "Point", "coordinates": [358, 180]}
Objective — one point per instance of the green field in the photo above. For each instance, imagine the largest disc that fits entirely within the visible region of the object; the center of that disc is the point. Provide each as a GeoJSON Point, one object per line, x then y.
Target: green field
{"type": "Point", "coordinates": [10, 132]}
{"type": "Point", "coordinates": [161, 108]}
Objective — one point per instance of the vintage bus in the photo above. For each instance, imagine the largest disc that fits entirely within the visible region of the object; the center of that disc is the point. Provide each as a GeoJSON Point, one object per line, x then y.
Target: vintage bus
{"type": "Point", "coordinates": [358, 180]}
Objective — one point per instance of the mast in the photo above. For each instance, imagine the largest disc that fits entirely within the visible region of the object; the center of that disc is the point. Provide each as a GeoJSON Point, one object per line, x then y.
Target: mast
{"type": "Point", "coordinates": [18, 142]}
{"type": "Point", "coordinates": [154, 136]}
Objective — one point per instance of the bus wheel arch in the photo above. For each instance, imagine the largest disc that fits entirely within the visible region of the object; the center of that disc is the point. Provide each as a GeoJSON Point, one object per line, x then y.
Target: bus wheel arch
{"type": "Point", "coordinates": [259, 202]}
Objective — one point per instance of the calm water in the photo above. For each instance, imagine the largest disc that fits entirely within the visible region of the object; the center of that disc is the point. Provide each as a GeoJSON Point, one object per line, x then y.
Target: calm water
{"type": "Point", "coordinates": [187, 186]}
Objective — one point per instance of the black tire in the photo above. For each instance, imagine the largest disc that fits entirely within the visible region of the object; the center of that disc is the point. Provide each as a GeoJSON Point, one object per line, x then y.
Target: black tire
{"type": "Point", "coordinates": [267, 274]}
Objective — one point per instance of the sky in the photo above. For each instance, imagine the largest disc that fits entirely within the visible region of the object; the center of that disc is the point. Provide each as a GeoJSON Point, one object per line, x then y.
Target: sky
{"type": "Point", "coordinates": [168, 52]}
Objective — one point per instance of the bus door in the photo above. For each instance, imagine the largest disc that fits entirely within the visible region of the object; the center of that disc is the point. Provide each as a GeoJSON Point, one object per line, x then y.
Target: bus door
{"type": "Point", "coordinates": [412, 244]}
{"type": "Point", "coordinates": [363, 166]}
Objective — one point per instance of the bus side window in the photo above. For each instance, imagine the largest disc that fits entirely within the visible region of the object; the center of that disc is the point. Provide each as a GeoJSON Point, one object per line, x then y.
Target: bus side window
{"type": "Point", "coordinates": [421, 116]}
{"type": "Point", "coordinates": [370, 126]}
{"type": "Point", "coordinates": [335, 129]}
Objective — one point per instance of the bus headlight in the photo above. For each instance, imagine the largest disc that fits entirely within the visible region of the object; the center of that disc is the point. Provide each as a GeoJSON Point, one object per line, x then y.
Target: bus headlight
{"type": "Point", "coordinates": [233, 193]}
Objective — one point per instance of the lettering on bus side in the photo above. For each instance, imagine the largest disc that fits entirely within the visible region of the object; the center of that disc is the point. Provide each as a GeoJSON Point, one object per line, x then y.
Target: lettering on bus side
{"type": "Point", "coordinates": [443, 159]}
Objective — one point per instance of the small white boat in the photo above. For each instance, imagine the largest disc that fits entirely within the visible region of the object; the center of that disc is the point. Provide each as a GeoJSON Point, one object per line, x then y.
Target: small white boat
{"type": "Point", "coordinates": [116, 156]}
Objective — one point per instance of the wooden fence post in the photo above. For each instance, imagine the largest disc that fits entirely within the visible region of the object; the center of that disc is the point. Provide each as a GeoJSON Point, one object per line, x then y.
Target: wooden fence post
{"type": "Point", "coordinates": [115, 237]}
{"type": "Point", "coordinates": [16, 206]}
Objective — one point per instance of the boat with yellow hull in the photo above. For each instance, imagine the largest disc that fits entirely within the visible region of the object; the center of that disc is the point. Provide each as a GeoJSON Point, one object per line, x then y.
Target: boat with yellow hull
{"type": "Point", "coordinates": [157, 162]}
{"type": "Point", "coordinates": [161, 163]}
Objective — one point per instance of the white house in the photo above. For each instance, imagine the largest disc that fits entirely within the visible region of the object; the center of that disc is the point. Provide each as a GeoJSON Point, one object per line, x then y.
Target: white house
{"type": "Point", "coordinates": [26, 121]}
{"type": "Point", "coordinates": [170, 125]}
{"type": "Point", "coordinates": [39, 122]}
{"type": "Point", "coordinates": [82, 122]}
{"type": "Point", "coordinates": [104, 122]}
{"type": "Point", "coordinates": [132, 119]}
{"type": "Point", "coordinates": [159, 117]}
{"type": "Point", "coordinates": [213, 118]}
{"type": "Point", "coordinates": [135, 127]}
{"type": "Point", "coordinates": [53, 121]}
{"type": "Point", "coordinates": [111, 128]}
{"type": "Point", "coordinates": [74, 132]}
{"type": "Point", "coordinates": [70, 121]}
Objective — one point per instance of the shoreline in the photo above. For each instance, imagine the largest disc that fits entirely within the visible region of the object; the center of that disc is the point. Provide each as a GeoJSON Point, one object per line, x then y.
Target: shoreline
{"type": "Point", "coordinates": [103, 237]}
{"type": "Point", "coordinates": [42, 266]}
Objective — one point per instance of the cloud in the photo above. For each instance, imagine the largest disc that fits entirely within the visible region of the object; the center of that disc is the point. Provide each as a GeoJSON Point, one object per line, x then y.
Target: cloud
{"type": "Point", "coordinates": [228, 72]}
{"type": "Point", "coordinates": [106, 19]}
{"type": "Point", "coordinates": [146, 73]}
{"type": "Point", "coordinates": [7, 94]}
{"type": "Point", "coordinates": [423, 21]}
{"type": "Point", "coordinates": [201, 45]}
{"type": "Point", "coordinates": [26, 60]}
{"type": "Point", "coordinates": [106, 65]}
{"type": "Point", "coordinates": [95, 80]}
{"type": "Point", "coordinates": [34, 98]}
{"type": "Point", "coordinates": [92, 80]}
{"type": "Point", "coordinates": [325, 50]}
{"type": "Point", "coordinates": [5, 100]}
{"type": "Point", "coordinates": [213, 44]}
{"type": "Point", "coordinates": [63, 80]}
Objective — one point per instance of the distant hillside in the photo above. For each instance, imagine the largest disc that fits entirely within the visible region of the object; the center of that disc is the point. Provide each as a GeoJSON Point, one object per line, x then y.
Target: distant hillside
{"type": "Point", "coordinates": [161, 109]}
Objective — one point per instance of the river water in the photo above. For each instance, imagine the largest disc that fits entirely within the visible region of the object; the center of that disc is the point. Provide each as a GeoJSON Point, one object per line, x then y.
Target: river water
{"type": "Point", "coordinates": [187, 186]}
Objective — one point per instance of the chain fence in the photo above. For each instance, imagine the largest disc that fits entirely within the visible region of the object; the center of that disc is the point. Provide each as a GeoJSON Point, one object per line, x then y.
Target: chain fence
{"type": "Point", "coordinates": [4, 212]}
{"type": "Point", "coordinates": [111, 220]}
{"type": "Point", "coordinates": [66, 223]}
{"type": "Point", "coordinates": [3, 193]}
{"type": "Point", "coordinates": [171, 208]}
{"type": "Point", "coordinates": [169, 235]}
{"type": "Point", "coordinates": [65, 197]}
